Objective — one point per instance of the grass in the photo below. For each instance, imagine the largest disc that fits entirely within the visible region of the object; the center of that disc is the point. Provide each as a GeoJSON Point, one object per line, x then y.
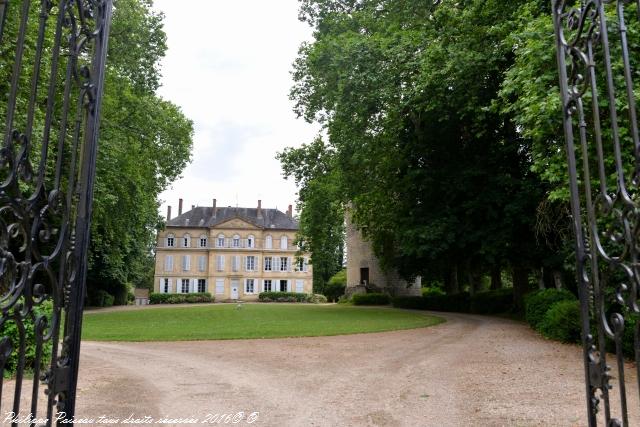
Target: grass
{"type": "Point", "coordinates": [225, 321]}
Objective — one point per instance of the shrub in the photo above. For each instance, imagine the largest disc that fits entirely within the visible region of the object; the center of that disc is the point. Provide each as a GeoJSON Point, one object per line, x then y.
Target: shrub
{"type": "Point", "coordinates": [120, 292]}
{"type": "Point", "coordinates": [431, 291]}
{"type": "Point", "coordinates": [492, 302]}
{"type": "Point", "coordinates": [414, 303]}
{"type": "Point", "coordinates": [282, 297]}
{"type": "Point", "coordinates": [317, 299]}
{"type": "Point", "coordinates": [371, 299]}
{"type": "Point", "coordinates": [100, 298]}
{"type": "Point", "coordinates": [10, 330]}
{"type": "Point", "coordinates": [538, 303]}
{"type": "Point", "coordinates": [157, 298]}
{"type": "Point", "coordinates": [562, 321]}
{"type": "Point", "coordinates": [336, 286]}
{"type": "Point", "coordinates": [456, 302]}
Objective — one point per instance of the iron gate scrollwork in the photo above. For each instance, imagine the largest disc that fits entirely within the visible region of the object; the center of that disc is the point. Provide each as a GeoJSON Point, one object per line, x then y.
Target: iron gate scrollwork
{"type": "Point", "coordinates": [594, 44]}
{"type": "Point", "coordinates": [52, 66]}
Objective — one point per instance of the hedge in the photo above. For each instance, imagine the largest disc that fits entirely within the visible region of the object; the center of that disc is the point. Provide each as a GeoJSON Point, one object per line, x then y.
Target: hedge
{"type": "Point", "coordinates": [157, 298]}
{"type": "Point", "coordinates": [489, 302]}
{"type": "Point", "coordinates": [10, 330]}
{"type": "Point", "coordinates": [371, 299]}
{"type": "Point", "coordinates": [537, 304]}
{"type": "Point", "coordinates": [283, 297]}
{"type": "Point", "coordinates": [562, 321]}
{"type": "Point", "coordinates": [492, 302]}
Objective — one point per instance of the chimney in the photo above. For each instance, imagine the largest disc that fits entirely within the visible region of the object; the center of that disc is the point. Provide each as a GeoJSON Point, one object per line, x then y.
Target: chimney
{"type": "Point", "coordinates": [168, 213]}
{"type": "Point", "coordinates": [214, 207]}
{"type": "Point", "coordinates": [179, 207]}
{"type": "Point", "coordinates": [193, 207]}
{"type": "Point", "coordinates": [290, 211]}
{"type": "Point", "coordinates": [260, 209]}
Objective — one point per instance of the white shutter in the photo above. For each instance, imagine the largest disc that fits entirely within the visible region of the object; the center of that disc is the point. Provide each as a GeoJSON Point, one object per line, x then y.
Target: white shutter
{"type": "Point", "coordinates": [256, 266]}
{"type": "Point", "coordinates": [201, 263]}
{"type": "Point", "coordinates": [194, 285]}
{"type": "Point", "coordinates": [299, 286]}
{"type": "Point", "coordinates": [289, 265]}
{"type": "Point", "coordinates": [244, 263]}
{"type": "Point", "coordinates": [178, 285]}
{"type": "Point", "coordinates": [219, 286]}
{"type": "Point", "coordinates": [169, 286]}
{"type": "Point", "coordinates": [288, 285]}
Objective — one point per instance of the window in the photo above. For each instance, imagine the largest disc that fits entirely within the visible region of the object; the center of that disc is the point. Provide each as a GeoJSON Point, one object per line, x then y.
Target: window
{"type": "Point", "coordinates": [220, 241]}
{"type": "Point", "coordinates": [268, 242]}
{"type": "Point", "coordinates": [165, 287]}
{"type": "Point", "coordinates": [236, 241]}
{"type": "Point", "coordinates": [300, 264]}
{"type": "Point", "coordinates": [284, 242]}
{"type": "Point", "coordinates": [299, 286]}
{"type": "Point", "coordinates": [267, 286]}
{"type": "Point", "coordinates": [284, 286]}
{"type": "Point", "coordinates": [186, 241]}
{"type": "Point", "coordinates": [251, 263]}
{"type": "Point", "coordinates": [219, 286]}
{"type": "Point", "coordinates": [249, 286]}
{"type": "Point", "coordinates": [168, 263]}
{"type": "Point", "coordinates": [284, 263]}
{"type": "Point", "coordinates": [202, 285]}
{"type": "Point", "coordinates": [185, 286]}
{"type": "Point", "coordinates": [170, 241]}
{"type": "Point", "coordinates": [267, 263]}
{"type": "Point", "coordinates": [251, 242]}
{"type": "Point", "coordinates": [203, 241]}
{"type": "Point", "coordinates": [202, 263]}
{"type": "Point", "coordinates": [186, 262]}
{"type": "Point", "coordinates": [235, 264]}
{"type": "Point", "coordinates": [220, 262]}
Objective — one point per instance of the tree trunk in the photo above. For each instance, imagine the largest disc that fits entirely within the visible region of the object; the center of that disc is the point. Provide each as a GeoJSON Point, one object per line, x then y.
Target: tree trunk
{"type": "Point", "coordinates": [541, 278]}
{"type": "Point", "coordinates": [520, 286]}
{"type": "Point", "coordinates": [496, 278]}
{"type": "Point", "coordinates": [557, 279]}
{"type": "Point", "coordinates": [453, 285]}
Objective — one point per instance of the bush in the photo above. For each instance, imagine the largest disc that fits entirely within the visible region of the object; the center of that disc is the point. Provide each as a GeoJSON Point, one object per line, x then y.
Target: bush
{"type": "Point", "coordinates": [10, 330]}
{"type": "Point", "coordinates": [371, 299]}
{"type": "Point", "coordinates": [317, 299]}
{"type": "Point", "coordinates": [562, 321]}
{"type": "Point", "coordinates": [336, 286]}
{"type": "Point", "coordinates": [100, 298]}
{"type": "Point", "coordinates": [282, 297]}
{"type": "Point", "coordinates": [120, 292]}
{"type": "Point", "coordinates": [157, 298]}
{"type": "Point", "coordinates": [492, 302]}
{"type": "Point", "coordinates": [413, 303]}
{"type": "Point", "coordinates": [538, 303]}
{"type": "Point", "coordinates": [431, 291]}
{"type": "Point", "coordinates": [456, 302]}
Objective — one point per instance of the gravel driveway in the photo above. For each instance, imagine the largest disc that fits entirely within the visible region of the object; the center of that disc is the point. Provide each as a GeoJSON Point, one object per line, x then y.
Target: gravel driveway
{"type": "Point", "coordinates": [470, 371]}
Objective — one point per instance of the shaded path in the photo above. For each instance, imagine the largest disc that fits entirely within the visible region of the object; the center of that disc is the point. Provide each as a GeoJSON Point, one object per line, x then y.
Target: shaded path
{"type": "Point", "coordinates": [470, 371]}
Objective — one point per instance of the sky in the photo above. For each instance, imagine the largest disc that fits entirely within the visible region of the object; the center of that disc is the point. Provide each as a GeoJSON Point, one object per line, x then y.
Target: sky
{"type": "Point", "coordinates": [228, 67]}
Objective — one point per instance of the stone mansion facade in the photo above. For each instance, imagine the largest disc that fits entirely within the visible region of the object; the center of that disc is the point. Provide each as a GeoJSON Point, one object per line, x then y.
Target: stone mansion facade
{"type": "Point", "coordinates": [232, 253]}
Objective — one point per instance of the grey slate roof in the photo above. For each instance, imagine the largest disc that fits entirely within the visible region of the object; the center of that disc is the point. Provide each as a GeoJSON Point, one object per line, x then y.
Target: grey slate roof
{"type": "Point", "coordinates": [203, 217]}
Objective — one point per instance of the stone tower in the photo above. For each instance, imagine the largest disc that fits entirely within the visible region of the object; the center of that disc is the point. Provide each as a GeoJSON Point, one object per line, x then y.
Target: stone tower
{"type": "Point", "coordinates": [364, 272]}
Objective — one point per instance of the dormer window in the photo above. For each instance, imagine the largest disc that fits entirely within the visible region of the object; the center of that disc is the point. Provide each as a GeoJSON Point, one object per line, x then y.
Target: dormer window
{"type": "Point", "coordinates": [284, 242]}
{"type": "Point", "coordinates": [203, 241]}
{"type": "Point", "coordinates": [251, 242]}
{"type": "Point", "coordinates": [236, 241]}
{"type": "Point", "coordinates": [268, 242]}
{"type": "Point", "coordinates": [186, 241]}
{"type": "Point", "coordinates": [171, 241]}
{"type": "Point", "coordinates": [220, 241]}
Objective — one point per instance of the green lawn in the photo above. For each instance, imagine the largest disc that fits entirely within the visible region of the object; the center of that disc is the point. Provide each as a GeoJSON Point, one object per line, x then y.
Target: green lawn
{"type": "Point", "coordinates": [225, 321]}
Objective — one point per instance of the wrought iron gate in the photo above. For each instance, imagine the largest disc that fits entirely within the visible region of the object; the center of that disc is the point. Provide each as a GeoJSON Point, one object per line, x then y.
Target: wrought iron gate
{"type": "Point", "coordinates": [597, 52]}
{"type": "Point", "coordinates": [52, 65]}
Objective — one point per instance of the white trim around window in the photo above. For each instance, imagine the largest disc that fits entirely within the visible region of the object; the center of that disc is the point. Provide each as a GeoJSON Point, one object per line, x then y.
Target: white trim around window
{"type": "Point", "coordinates": [249, 286]}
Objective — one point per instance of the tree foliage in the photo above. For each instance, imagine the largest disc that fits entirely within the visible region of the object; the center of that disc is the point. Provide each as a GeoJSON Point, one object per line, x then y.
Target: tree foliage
{"type": "Point", "coordinates": [423, 133]}
{"type": "Point", "coordinates": [145, 141]}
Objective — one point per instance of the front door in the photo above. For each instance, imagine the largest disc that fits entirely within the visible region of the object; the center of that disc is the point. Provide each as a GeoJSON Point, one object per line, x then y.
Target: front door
{"type": "Point", "coordinates": [234, 289]}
